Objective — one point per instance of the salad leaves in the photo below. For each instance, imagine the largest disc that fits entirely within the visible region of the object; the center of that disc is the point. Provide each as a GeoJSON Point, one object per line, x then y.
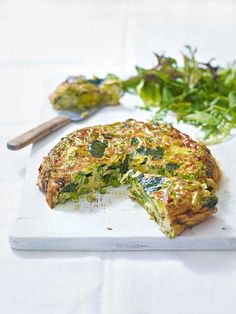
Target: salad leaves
{"type": "Point", "coordinates": [198, 93]}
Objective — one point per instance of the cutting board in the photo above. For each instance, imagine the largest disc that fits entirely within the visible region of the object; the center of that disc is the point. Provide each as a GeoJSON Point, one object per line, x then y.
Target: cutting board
{"type": "Point", "coordinates": [114, 221]}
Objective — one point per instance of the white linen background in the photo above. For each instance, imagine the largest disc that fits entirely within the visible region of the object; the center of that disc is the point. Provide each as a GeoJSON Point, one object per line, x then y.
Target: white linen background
{"type": "Point", "coordinates": [40, 38]}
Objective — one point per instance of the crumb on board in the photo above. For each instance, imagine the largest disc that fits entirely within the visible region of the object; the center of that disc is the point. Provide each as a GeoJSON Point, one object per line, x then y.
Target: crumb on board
{"type": "Point", "coordinates": [77, 206]}
{"type": "Point", "coordinates": [108, 228]}
{"type": "Point", "coordinates": [225, 228]}
{"type": "Point", "coordinates": [91, 197]}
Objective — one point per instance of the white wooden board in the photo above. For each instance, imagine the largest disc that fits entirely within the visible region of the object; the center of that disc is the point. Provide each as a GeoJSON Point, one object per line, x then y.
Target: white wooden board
{"type": "Point", "coordinates": [114, 221]}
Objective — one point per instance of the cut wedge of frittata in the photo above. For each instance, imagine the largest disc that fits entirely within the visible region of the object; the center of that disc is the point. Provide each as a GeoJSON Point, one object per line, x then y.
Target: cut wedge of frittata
{"type": "Point", "coordinates": [175, 204]}
{"type": "Point", "coordinates": [183, 172]}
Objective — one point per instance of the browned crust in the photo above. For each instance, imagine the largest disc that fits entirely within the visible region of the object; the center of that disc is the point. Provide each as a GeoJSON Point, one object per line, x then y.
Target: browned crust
{"type": "Point", "coordinates": [52, 184]}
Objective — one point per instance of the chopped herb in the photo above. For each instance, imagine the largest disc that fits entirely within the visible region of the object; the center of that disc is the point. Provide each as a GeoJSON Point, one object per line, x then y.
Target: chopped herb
{"type": "Point", "coordinates": [188, 176]}
{"type": "Point", "coordinates": [134, 141]}
{"type": "Point", "coordinates": [144, 161]}
{"type": "Point", "coordinates": [113, 166]}
{"type": "Point", "coordinates": [97, 148]}
{"type": "Point", "coordinates": [115, 183]}
{"type": "Point", "coordinates": [96, 81]}
{"type": "Point", "coordinates": [157, 153]}
{"type": "Point", "coordinates": [106, 178]}
{"type": "Point", "coordinates": [86, 180]}
{"type": "Point", "coordinates": [124, 167]}
{"type": "Point", "coordinates": [102, 190]}
{"type": "Point", "coordinates": [78, 177]}
{"type": "Point", "coordinates": [160, 170]}
{"type": "Point", "coordinates": [172, 166]}
{"type": "Point", "coordinates": [71, 187]}
{"type": "Point", "coordinates": [74, 196]}
{"type": "Point", "coordinates": [210, 202]}
{"type": "Point", "coordinates": [151, 184]}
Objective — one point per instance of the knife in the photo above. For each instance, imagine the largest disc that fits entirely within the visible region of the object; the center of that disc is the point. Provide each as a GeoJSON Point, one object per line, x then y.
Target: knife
{"type": "Point", "coordinates": [50, 126]}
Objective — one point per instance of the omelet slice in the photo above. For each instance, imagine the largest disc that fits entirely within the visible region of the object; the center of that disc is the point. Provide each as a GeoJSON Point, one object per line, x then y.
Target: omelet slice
{"type": "Point", "coordinates": [78, 93]}
{"type": "Point", "coordinates": [175, 204]}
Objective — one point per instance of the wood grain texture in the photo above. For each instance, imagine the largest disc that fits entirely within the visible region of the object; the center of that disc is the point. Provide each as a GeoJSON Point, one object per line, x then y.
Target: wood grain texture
{"type": "Point", "coordinates": [37, 133]}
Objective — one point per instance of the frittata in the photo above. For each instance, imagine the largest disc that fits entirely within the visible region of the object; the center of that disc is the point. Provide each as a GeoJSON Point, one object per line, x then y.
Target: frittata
{"type": "Point", "coordinates": [173, 177]}
{"type": "Point", "coordinates": [78, 93]}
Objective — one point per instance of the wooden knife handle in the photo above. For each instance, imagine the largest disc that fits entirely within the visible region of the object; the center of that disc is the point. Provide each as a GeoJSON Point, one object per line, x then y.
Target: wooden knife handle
{"type": "Point", "coordinates": [37, 133]}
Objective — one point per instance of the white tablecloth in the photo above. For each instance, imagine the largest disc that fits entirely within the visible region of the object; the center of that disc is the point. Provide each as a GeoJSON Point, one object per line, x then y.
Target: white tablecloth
{"type": "Point", "coordinates": [41, 38]}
